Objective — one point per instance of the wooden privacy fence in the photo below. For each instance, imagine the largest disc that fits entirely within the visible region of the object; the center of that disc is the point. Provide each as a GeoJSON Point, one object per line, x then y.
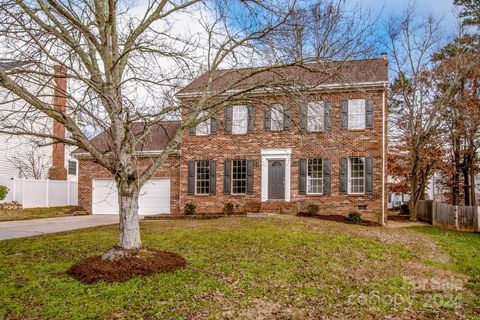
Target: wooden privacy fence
{"type": "Point", "coordinates": [447, 216]}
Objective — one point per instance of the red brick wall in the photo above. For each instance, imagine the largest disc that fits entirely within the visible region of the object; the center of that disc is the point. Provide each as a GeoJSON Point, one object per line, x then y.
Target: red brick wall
{"type": "Point", "coordinates": [334, 145]}
{"type": "Point", "coordinates": [88, 170]}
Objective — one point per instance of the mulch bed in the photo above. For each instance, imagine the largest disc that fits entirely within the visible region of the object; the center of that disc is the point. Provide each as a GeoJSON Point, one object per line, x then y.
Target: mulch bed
{"type": "Point", "coordinates": [339, 218]}
{"type": "Point", "coordinates": [95, 269]}
{"type": "Point", "coordinates": [398, 218]}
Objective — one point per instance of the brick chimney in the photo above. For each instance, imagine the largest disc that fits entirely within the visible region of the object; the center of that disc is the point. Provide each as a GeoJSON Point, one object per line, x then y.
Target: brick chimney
{"type": "Point", "coordinates": [58, 171]}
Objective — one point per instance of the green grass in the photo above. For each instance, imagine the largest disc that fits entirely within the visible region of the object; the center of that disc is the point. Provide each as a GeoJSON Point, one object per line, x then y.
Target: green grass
{"type": "Point", "coordinates": [238, 268]}
{"type": "Point", "coordinates": [464, 248]}
{"type": "Point", "coordinates": [33, 213]}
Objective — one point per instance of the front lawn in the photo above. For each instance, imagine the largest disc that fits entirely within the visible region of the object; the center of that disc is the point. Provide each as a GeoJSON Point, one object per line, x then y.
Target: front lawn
{"type": "Point", "coordinates": [279, 267]}
{"type": "Point", "coordinates": [33, 213]}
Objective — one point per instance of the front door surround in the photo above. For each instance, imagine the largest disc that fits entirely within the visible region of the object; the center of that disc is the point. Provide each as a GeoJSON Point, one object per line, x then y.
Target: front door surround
{"type": "Point", "coordinates": [276, 164]}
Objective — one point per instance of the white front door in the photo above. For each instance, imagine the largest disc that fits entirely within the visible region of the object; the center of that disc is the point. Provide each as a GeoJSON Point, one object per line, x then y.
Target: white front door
{"type": "Point", "coordinates": [154, 197]}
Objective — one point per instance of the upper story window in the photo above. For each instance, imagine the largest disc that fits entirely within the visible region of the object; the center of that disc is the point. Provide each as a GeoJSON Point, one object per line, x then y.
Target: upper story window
{"type": "Point", "coordinates": [203, 128]}
{"type": "Point", "coordinates": [72, 167]}
{"type": "Point", "coordinates": [239, 119]}
{"type": "Point", "coordinates": [315, 116]}
{"type": "Point", "coordinates": [356, 175]}
{"type": "Point", "coordinates": [356, 114]}
{"type": "Point", "coordinates": [239, 176]}
{"type": "Point", "coordinates": [276, 118]}
{"type": "Point", "coordinates": [315, 176]}
{"type": "Point", "coordinates": [202, 177]}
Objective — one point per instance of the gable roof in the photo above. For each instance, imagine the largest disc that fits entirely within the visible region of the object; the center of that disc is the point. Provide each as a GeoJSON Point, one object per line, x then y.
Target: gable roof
{"type": "Point", "coordinates": [340, 73]}
{"type": "Point", "coordinates": [160, 134]}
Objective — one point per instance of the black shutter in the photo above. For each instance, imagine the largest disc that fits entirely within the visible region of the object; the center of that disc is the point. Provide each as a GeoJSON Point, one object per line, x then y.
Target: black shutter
{"type": "Point", "coordinates": [344, 114]}
{"type": "Point", "coordinates": [227, 182]}
{"type": "Point", "coordinates": [343, 175]}
{"type": "Point", "coordinates": [191, 177]}
{"type": "Point", "coordinates": [302, 176]}
{"type": "Point", "coordinates": [369, 113]}
{"type": "Point", "coordinates": [328, 115]}
{"type": "Point", "coordinates": [266, 119]}
{"type": "Point", "coordinates": [213, 125]}
{"type": "Point", "coordinates": [327, 168]}
{"type": "Point", "coordinates": [228, 119]}
{"type": "Point", "coordinates": [369, 175]}
{"type": "Point", "coordinates": [287, 118]}
{"type": "Point", "coordinates": [251, 119]}
{"type": "Point", "coordinates": [303, 117]}
{"type": "Point", "coordinates": [250, 176]}
{"type": "Point", "coordinates": [192, 130]}
{"type": "Point", "coordinates": [213, 176]}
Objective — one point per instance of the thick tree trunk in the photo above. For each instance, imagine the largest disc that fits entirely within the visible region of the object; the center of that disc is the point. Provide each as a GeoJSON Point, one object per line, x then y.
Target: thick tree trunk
{"type": "Point", "coordinates": [129, 239]}
{"type": "Point", "coordinates": [413, 198]}
{"type": "Point", "coordinates": [466, 186]}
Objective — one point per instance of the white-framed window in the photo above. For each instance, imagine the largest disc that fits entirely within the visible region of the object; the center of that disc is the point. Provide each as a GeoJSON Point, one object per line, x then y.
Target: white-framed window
{"type": "Point", "coordinates": [239, 176]}
{"type": "Point", "coordinates": [356, 175]}
{"type": "Point", "coordinates": [276, 117]}
{"type": "Point", "coordinates": [72, 167]}
{"type": "Point", "coordinates": [202, 177]}
{"type": "Point", "coordinates": [315, 176]}
{"type": "Point", "coordinates": [203, 128]}
{"type": "Point", "coordinates": [315, 116]}
{"type": "Point", "coordinates": [239, 119]}
{"type": "Point", "coordinates": [356, 114]}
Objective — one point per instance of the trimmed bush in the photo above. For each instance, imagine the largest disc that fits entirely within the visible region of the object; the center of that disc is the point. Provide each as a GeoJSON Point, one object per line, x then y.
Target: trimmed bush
{"type": "Point", "coordinates": [228, 207]}
{"type": "Point", "coordinates": [312, 209]}
{"type": "Point", "coordinates": [355, 217]}
{"type": "Point", "coordinates": [190, 208]}
{"type": "Point", "coordinates": [3, 192]}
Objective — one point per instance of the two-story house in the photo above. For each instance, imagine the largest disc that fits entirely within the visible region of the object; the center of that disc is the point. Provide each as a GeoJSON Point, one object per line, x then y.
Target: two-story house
{"type": "Point", "coordinates": [276, 151]}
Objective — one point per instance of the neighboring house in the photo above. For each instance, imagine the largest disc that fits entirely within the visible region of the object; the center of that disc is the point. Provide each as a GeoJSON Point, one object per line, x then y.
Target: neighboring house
{"type": "Point", "coordinates": [30, 157]}
{"type": "Point", "coordinates": [276, 154]}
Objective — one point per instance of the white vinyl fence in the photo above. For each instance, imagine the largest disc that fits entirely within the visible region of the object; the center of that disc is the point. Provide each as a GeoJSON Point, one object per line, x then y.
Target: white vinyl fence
{"type": "Point", "coordinates": [41, 193]}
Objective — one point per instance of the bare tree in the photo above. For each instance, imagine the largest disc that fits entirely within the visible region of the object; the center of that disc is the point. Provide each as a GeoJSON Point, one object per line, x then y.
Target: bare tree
{"type": "Point", "coordinates": [32, 164]}
{"type": "Point", "coordinates": [415, 103]}
{"type": "Point", "coordinates": [124, 67]}
{"type": "Point", "coordinates": [411, 42]}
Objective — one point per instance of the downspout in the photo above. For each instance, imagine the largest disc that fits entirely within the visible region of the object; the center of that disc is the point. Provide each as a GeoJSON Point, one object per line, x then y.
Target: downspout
{"type": "Point", "coordinates": [383, 152]}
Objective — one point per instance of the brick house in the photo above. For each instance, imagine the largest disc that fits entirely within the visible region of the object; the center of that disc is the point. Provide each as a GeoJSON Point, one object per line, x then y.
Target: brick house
{"type": "Point", "coordinates": [278, 150]}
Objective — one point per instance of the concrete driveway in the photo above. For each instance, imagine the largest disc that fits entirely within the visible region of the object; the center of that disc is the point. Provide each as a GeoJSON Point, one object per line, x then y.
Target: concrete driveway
{"type": "Point", "coordinates": [28, 228]}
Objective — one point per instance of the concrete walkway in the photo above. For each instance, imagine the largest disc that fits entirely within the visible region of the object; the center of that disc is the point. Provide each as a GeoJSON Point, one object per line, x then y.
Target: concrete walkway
{"type": "Point", "coordinates": [28, 228]}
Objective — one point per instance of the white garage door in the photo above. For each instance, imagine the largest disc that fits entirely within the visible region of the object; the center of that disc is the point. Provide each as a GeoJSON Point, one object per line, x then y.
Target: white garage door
{"type": "Point", "coordinates": [154, 197]}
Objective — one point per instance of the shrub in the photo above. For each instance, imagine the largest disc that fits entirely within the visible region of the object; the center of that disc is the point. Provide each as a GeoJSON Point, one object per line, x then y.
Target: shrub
{"type": "Point", "coordinates": [3, 192]}
{"type": "Point", "coordinates": [355, 217]}
{"type": "Point", "coordinates": [228, 207]}
{"type": "Point", "coordinates": [189, 208]}
{"type": "Point", "coordinates": [312, 209]}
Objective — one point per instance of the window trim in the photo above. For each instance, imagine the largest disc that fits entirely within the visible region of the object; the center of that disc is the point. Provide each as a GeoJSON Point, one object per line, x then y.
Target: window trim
{"type": "Point", "coordinates": [364, 114]}
{"type": "Point", "coordinates": [207, 122]}
{"type": "Point", "coordinates": [196, 178]}
{"type": "Point", "coordinates": [349, 178]}
{"type": "Point", "coordinates": [68, 167]}
{"type": "Point", "coordinates": [320, 104]}
{"type": "Point", "coordinates": [232, 178]}
{"type": "Point", "coordinates": [308, 178]}
{"type": "Point", "coordinates": [280, 108]}
{"type": "Point", "coordinates": [245, 107]}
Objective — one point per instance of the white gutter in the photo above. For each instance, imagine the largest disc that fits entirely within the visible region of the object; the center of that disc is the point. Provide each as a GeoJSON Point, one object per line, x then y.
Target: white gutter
{"type": "Point", "coordinates": [383, 152]}
{"type": "Point", "coordinates": [323, 87]}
